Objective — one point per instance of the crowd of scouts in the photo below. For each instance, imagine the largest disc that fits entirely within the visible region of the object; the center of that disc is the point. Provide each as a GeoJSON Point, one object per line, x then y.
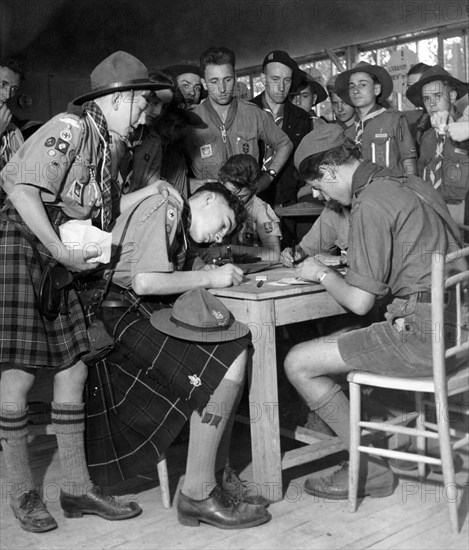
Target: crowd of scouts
{"type": "Point", "coordinates": [185, 172]}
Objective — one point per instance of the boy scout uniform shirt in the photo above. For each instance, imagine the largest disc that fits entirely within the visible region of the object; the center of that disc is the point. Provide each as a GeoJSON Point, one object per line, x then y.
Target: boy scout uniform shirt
{"type": "Point", "coordinates": [208, 148]}
{"type": "Point", "coordinates": [455, 170]}
{"type": "Point", "coordinates": [153, 242]}
{"type": "Point", "coordinates": [386, 141]}
{"type": "Point", "coordinates": [260, 225]}
{"type": "Point", "coordinates": [393, 233]}
{"type": "Point", "coordinates": [60, 158]}
{"type": "Point", "coordinates": [329, 233]}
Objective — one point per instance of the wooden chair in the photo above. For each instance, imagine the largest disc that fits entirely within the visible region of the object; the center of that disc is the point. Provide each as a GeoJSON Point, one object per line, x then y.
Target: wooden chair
{"type": "Point", "coordinates": [438, 387]}
{"type": "Point", "coordinates": [40, 424]}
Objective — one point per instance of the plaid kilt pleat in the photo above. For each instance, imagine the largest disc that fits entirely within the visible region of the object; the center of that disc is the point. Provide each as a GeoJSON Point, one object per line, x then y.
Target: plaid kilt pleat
{"type": "Point", "coordinates": [141, 395]}
{"type": "Point", "coordinates": [27, 339]}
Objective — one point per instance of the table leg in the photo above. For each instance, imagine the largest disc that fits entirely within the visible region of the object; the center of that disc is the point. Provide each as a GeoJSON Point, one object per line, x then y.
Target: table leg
{"type": "Point", "coordinates": [263, 401]}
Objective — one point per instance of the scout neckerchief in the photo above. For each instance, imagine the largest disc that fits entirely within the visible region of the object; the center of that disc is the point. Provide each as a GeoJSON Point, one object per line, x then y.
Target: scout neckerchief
{"type": "Point", "coordinates": [6, 149]}
{"type": "Point", "coordinates": [103, 172]}
{"type": "Point", "coordinates": [223, 126]}
{"type": "Point", "coordinates": [278, 119]}
{"type": "Point", "coordinates": [436, 175]}
{"type": "Point", "coordinates": [360, 125]}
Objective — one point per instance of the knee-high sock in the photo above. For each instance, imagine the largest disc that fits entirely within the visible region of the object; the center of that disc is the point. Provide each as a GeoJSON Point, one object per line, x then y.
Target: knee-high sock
{"type": "Point", "coordinates": [68, 420]}
{"type": "Point", "coordinates": [14, 439]}
{"type": "Point", "coordinates": [205, 434]}
{"type": "Point", "coordinates": [334, 408]}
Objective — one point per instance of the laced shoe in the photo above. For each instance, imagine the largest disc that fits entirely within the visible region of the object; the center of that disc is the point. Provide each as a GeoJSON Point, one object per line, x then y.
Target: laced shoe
{"type": "Point", "coordinates": [242, 490]}
{"type": "Point", "coordinates": [32, 513]}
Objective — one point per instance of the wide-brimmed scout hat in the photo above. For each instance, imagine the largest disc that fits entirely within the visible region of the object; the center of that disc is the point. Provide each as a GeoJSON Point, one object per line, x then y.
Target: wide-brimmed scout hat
{"type": "Point", "coordinates": [199, 316]}
{"type": "Point", "coordinates": [382, 75]}
{"type": "Point", "coordinates": [414, 92]}
{"type": "Point", "coordinates": [302, 78]}
{"type": "Point", "coordinates": [323, 138]}
{"type": "Point", "coordinates": [119, 72]}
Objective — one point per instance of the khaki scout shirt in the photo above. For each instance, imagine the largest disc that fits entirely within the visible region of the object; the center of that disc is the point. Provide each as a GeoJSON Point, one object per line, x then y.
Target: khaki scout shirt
{"type": "Point", "coordinates": [60, 158]}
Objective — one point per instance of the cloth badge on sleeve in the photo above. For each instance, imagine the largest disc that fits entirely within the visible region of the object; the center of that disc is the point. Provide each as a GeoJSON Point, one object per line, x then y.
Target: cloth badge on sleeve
{"type": "Point", "coordinates": [51, 153]}
{"type": "Point", "coordinates": [206, 151]}
{"type": "Point", "coordinates": [62, 146]}
{"type": "Point", "coordinates": [246, 148]}
{"type": "Point", "coordinates": [50, 142]}
{"type": "Point", "coordinates": [268, 227]}
{"type": "Point", "coordinates": [66, 135]}
{"type": "Point", "coordinates": [381, 135]}
{"type": "Point", "coordinates": [171, 215]}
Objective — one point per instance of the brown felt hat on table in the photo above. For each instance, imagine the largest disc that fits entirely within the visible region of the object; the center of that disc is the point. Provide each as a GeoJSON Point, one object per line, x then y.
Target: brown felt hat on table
{"type": "Point", "coordinates": [198, 316]}
{"type": "Point", "coordinates": [119, 72]}
{"type": "Point", "coordinates": [432, 74]}
{"type": "Point", "coordinates": [382, 75]}
{"type": "Point", "coordinates": [323, 138]}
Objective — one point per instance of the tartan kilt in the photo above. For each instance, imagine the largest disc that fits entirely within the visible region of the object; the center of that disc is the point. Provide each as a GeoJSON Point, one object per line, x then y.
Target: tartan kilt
{"type": "Point", "coordinates": [27, 339]}
{"type": "Point", "coordinates": [141, 395]}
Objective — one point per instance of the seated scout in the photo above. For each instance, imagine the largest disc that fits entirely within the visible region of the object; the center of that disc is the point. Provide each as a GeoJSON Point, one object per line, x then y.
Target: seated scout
{"type": "Point", "coordinates": [388, 217]}
{"type": "Point", "coordinates": [143, 393]}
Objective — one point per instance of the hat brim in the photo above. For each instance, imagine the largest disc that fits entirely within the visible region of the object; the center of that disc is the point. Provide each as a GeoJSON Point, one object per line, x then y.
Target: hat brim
{"type": "Point", "coordinates": [384, 78]}
{"type": "Point", "coordinates": [142, 84]}
{"type": "Point", "coordinates": [161, 320]}
{"type": "Point", "coordinates": [414, 93]}
{"type": "Point", "coordinates": [318, 89]}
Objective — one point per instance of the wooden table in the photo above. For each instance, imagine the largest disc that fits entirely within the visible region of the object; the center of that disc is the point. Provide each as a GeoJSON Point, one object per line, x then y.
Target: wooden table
{"type": "Point", "coordinates": [263, 309]}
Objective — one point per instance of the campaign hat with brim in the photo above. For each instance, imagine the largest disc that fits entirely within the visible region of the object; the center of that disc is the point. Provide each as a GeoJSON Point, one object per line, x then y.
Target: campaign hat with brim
{"type": "Point", "coordinates": [198, 316]}
{"type": "Point", "coordinates": [414, 92]}
{"type": "Point", "coordinates": [321, 139]}
{"type": "Point", "coordinates": [301, 78]}
{"type": "Point", "coordinates": [120, 72]}
{"type": "Point", "coordinates": [382, 75]}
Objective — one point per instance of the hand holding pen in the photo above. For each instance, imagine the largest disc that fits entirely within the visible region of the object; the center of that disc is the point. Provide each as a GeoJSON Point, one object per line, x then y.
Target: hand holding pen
{"type": "Point", "coordinates": [292, 256]}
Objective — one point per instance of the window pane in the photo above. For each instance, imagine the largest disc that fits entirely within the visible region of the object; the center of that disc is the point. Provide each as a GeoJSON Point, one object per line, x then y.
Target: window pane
{"type": "Point", "coordinates": [454, 56]}
{"type": "Point", "coordinates": [427, 51]}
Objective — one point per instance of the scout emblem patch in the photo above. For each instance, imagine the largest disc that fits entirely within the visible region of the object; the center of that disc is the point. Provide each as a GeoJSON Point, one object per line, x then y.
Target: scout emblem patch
{"type": "Point", "coordinates": [66, 135]}
{"type": "Point", "coordinates": [246, 148]}
{"type": "Point", "coordinates": [195, 380]}
{"type": "Point", "coordinates": [268, 228]}
{"type": "Point", "coordinates": [51, 153]}
{"type": "Point", "coordinates": [206, 151]}
{"type": "Point", "coordinates": [171, 214]}
{"type": "Point", "coordinates": [62, 146]}
{"type": "Point", "coordinates": [50, 142]}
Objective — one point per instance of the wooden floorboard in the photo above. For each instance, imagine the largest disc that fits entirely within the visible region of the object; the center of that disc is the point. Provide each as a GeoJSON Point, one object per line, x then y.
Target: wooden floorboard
{"type": "Point", "coordinates": [415, 516]}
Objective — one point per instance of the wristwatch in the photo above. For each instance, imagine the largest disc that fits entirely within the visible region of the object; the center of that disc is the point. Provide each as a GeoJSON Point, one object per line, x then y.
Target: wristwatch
{"type": "Point", "coordinates": [322, 276]}
{"type": "Point", "coordinates": [272, 173]}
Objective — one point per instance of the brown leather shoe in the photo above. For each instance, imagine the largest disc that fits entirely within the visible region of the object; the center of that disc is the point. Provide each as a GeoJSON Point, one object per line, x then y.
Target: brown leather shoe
{"type": "Point", "coordinates": [95, 502]}
{"type": "Point", "coordinates": [220, 510]}
{"type": "Point", "coordinates": [376, 480]}
{"type": "Point", "coordinates": [241, 490]}
{"type": "Point", "coordinates": [32, 513]}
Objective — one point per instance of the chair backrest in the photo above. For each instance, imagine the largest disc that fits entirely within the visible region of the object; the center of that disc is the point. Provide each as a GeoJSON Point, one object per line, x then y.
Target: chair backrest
{"type": "Point", "coordinates": [450, 299]}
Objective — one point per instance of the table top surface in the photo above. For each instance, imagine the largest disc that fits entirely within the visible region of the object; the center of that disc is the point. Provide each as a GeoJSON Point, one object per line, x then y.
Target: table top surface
{"type": "Point", "coordinates": [248, 289]}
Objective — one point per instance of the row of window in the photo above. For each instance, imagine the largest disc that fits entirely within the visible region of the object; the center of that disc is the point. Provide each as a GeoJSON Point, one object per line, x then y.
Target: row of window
{"type": "Point", "coordinates": [450, 50]}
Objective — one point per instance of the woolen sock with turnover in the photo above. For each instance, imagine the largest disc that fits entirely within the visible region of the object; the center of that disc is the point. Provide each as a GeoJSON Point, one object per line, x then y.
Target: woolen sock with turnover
{"type": "Point", "coordinates": [68, 420]}
{"type": "Point", "coordinates": [14, 439]}
{"type": "Point", "coordinates": [206, 431]}
{"type": "Point", "coordinates": [334, 408]}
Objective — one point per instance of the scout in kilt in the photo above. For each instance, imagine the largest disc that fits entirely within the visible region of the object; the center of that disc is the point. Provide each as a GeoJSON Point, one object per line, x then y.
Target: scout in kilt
{"type": "Point", "coordinates": [62, 172]}
{"type": "Point", "coordinates": [171, 365]}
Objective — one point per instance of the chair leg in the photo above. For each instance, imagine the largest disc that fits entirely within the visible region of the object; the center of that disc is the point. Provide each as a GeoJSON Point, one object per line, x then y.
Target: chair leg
{"type": "Point", "coordinates": [450, 488]}
{"type": "Point", "coordinates": [354, 461]}
{"type": "Point", "coordinates": [164, 482]}
{"type": "Point", "coordinates": [421, 441]}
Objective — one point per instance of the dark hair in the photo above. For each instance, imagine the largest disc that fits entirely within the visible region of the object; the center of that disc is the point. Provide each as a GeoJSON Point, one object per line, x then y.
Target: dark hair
{"type": "Point", "coordinates": [233, 202]}
{"type": "Point", "coordinates": [14, 65]}
{"type": "Point", "coordinates": [217, 55]}
{"type": "Point", "coordinates": [241, 170]}
{"type": "Point", "coordinates": [418, 68]}
{"type": "Point", "coordinates": [309, 168]}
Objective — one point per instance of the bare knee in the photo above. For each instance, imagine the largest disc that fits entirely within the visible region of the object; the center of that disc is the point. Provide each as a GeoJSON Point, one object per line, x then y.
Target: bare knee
{"type": "Point", "coordinates": [14, 387]}
{"type": "Point", "coordinates": [294, 366]}
{"type": "Point", "coordinates": [237, 370]}
{"type": "Point", "coordinates": [69, 383]}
